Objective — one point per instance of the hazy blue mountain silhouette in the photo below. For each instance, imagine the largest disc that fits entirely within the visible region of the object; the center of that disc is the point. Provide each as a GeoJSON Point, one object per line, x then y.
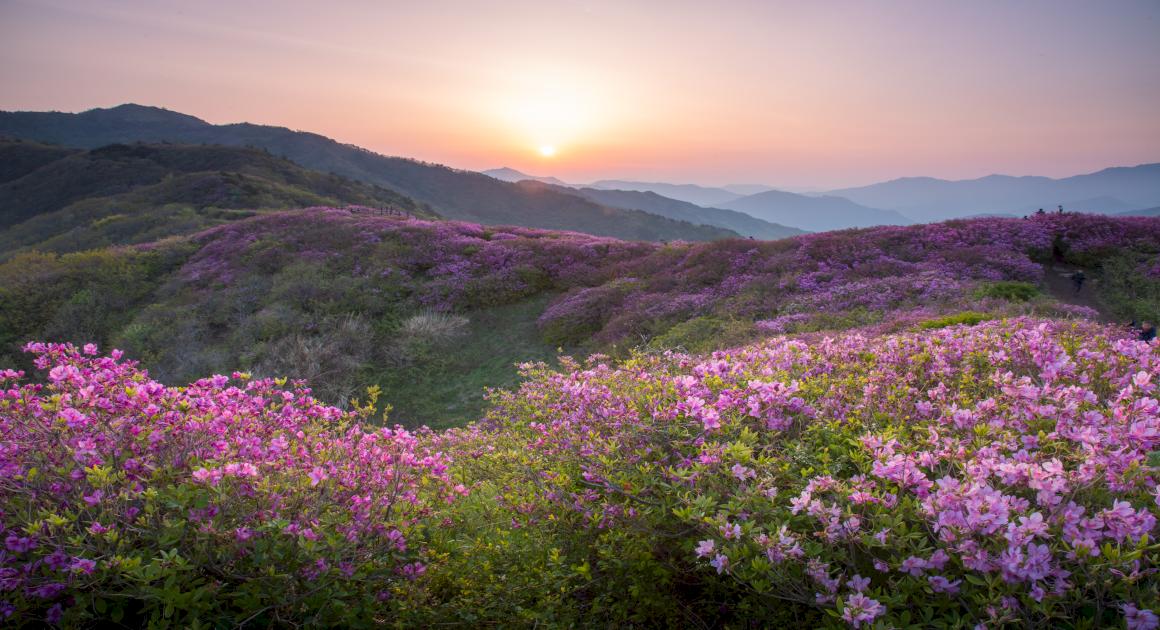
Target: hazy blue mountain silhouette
{"type": "Point", "coordinates": [692, 193]}
{"type": "Point", "coordinates": [512, 175]}
{"type": "Point", "coordinates": [929, 199]}
{"type": "Point", "coordinates": [816, 214]}
{"type": "Point", "coordinates": [649, 201]}
{"type": "Point", "coordinates": [1144, 212]}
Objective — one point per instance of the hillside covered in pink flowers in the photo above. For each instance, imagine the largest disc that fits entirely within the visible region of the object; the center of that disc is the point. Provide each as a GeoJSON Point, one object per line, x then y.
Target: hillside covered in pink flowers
{"type": "Point", "coordinates": [886, 427]}
{"type": "Point", "coordinates": [348, 301]}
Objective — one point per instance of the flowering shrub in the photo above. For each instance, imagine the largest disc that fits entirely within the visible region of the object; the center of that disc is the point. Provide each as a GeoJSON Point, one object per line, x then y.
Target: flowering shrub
{"type": "Point", "coordinates": [999, 474]}
{"type": "Point", "coordinates": [1002, 474]}
{"type": "Point", "coordinates": [229, 501]}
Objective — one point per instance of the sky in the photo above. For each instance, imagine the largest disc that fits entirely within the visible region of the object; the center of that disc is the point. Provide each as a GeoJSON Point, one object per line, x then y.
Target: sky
{"type": "Point", "coordinates": [800, 95]}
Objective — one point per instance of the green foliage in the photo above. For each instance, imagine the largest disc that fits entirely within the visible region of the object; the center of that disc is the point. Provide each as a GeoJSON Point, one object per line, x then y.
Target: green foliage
{"type": "Point", "coordinates": [966, 318]}
{"type": "Point", "coordinates": [604, 481]}
{"type": "Point", "coordinates": [441, 383]}
{"type": "Point", "coordinates": [585, 311]}
{"type": "Point", "coordinates": [1130, 285]}
{"type": "Point", "coordinates": [1008, 290]}
{"type": "Point", "coordinates": [703, 334]}
{"type": "Point", "coordinates": [77, 297]}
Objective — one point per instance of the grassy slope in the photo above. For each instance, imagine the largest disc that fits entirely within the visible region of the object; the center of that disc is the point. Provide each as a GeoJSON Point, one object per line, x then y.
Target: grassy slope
{"type": "Point", "coordinates": [445, 390]}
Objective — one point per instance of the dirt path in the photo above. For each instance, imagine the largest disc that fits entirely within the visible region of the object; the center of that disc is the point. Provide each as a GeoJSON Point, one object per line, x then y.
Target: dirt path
{"type": "Point", "coordinates": [1057, 279]}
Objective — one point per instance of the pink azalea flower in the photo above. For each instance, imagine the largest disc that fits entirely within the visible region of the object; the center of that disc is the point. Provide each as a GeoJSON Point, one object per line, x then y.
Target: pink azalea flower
{"type": "Point", "coordinates": [860, 609]}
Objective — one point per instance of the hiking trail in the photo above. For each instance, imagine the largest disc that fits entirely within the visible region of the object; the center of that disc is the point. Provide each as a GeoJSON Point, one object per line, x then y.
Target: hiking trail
{"type": "Point", "coordinates": [1057, 280]}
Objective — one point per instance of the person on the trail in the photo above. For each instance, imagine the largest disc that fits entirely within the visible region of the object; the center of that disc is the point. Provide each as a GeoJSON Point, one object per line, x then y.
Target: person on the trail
{"type": "Point", "coordinates": [1077, 279]}
{"type": "Point", "coordinates": [1147, 332]}
{"type": "Point", "coordinates": [1041, 212]}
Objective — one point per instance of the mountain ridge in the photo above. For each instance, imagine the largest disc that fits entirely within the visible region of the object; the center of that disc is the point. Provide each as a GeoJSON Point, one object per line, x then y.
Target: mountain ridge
{"type": "Point", "coordinates": [817, 214]}
{"type": "Point", "coordinates": [649, 201]}
{"type": "Point", "coordinates": [933, 199]}
{"type": "Point", "coordinates": [453, 193]}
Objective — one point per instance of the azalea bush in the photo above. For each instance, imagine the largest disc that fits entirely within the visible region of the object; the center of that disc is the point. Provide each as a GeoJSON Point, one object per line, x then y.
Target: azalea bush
{"type": "Point", "coordinates": [1003, 474]}
{"type": "Point", "coordinates": [226, 502]}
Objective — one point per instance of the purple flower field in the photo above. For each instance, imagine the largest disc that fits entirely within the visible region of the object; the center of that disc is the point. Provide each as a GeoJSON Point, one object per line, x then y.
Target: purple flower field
{"type": "Point", "coordinates": [871, 456]}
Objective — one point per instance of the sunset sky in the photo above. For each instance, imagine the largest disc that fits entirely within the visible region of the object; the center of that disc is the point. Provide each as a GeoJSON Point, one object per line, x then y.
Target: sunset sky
{"type": "Point", "coordinates": [791, 94]}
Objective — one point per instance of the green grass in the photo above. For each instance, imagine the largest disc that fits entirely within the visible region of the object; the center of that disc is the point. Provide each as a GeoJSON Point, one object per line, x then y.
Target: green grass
{"type": "Point", "coordinates": [968, 318]}
{"type": "Point", "coordinates": [1009, 290]}
{"type": "Point", "coordinates": [448, 388]}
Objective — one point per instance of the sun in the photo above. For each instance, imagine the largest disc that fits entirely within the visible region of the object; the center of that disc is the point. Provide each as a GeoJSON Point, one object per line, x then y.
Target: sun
{"type": "Point", "coordinates": [547, 150]}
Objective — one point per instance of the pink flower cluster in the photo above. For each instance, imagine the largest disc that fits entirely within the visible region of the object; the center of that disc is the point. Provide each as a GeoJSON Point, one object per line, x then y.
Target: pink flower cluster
{"type": "Point", "coordinates": [95, 462]}
{"type": "Point", "coordinates": [1002, 470]}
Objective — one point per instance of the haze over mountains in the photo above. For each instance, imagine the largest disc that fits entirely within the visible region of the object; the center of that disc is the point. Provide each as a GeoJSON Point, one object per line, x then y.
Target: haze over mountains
{"type": "Point", "coordinates": [779, 209]}
{"type": "Point", "coordinates": [700, 195]}
{"type": "Point", "coordinates": [816, 214]}
{"type": "Point", "coordinates": [648, 201]}
{"type": "Point", "coordinates": [766, 214]}
{"type": "Point", "coordinates": [1117, 190]}
{"type": "Point", "coordinates": [927, 199]}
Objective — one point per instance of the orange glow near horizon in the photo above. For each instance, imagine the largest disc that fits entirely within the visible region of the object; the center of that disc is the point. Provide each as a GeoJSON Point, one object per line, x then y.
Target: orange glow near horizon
{"type": "Point", "coordinates": [748, 91]}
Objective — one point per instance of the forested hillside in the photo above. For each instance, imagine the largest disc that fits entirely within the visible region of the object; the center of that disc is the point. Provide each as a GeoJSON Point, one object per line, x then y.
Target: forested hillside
{"type": "Point", "coordinates": [56, 199]}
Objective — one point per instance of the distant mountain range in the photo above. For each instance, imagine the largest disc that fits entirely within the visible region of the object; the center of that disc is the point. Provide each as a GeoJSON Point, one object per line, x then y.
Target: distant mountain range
{"type": "Point", "coordinates": [700, 195]}
{"type": "Point", "coordinates": [620, 208]}
{"type": "Point", "coordinates": [776, 210]}
{"type": "Point", "coordinates": [747, 189]}
{"type": "Point", "coordinates": [816, 214]}
{"type": "Point", "coordinates": [1108, 191]}
{"type": "Point", "coordinates": [679, 192]}
{"type": "Point", "coordinates": [452, 193]}
{"type": "Point", "coordinates": [1146, 212]}
{"type": "Point", "coordinates": [914, 199]}
{"type": "Point", "coordinates": [765, 213]}
{"type": "Point", "coordinates": [63, 199]}
{"type": "Point", "coordinates": [512, 175]}
{"type": "Point", "coordinates": [649, 201]}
